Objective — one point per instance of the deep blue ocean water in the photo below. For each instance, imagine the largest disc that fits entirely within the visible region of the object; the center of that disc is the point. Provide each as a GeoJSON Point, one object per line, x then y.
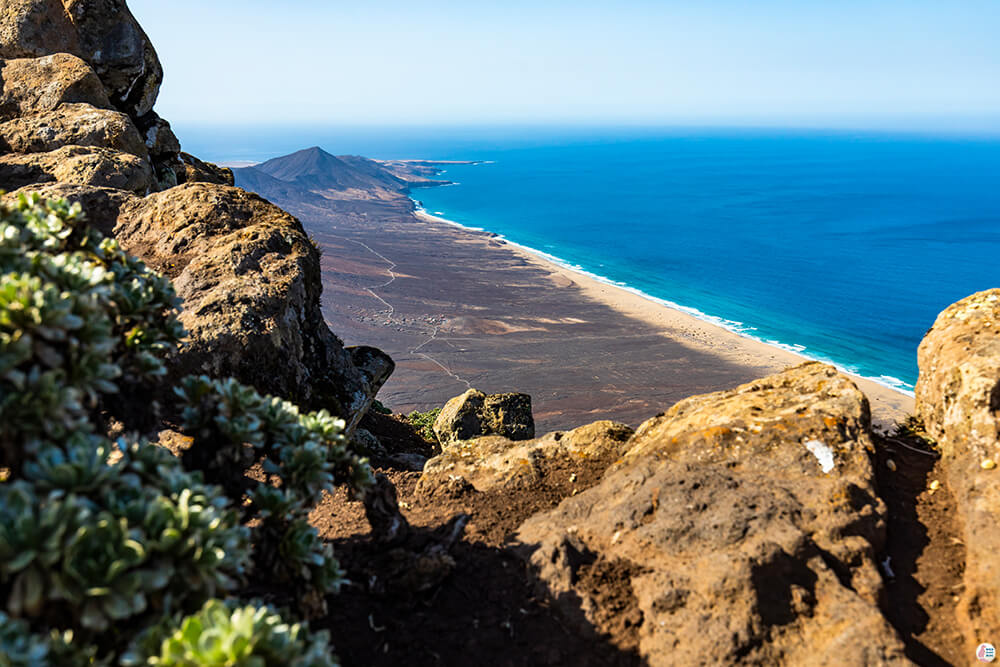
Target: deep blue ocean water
{"type": "Point", "coordinates": [841, 245]}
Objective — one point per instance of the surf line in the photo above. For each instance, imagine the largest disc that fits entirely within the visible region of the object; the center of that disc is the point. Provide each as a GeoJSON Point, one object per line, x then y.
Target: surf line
{"type": "Point", "coordinates": [432, 332]}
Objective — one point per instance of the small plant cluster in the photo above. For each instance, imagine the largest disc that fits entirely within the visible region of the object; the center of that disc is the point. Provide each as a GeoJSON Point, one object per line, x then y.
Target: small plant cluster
{"type": "Point", "coordinates": [119, 551]}
{"type": "Point", "coordinates": [300, 457]}
{"type": "Point", "coordinates": [423, 423]}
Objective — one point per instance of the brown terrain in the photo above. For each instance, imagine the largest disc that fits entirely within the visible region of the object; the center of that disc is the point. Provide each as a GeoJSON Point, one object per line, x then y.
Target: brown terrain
{"type": "Point", "coordinates": [660, 492]}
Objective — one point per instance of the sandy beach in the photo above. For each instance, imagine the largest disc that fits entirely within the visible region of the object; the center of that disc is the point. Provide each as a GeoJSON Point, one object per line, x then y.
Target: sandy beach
{"type": "Point", "coordinates": [459, 308]}
{"type": "Point", "coordinates": [888, 405]}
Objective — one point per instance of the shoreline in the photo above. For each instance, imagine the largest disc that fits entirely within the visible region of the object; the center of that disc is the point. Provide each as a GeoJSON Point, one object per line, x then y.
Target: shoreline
{"type": "Point", "coordinates": [704, 333]}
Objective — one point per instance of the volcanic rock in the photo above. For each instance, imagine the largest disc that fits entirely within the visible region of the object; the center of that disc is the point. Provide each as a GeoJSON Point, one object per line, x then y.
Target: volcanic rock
{"type": "Point", "coordinates": [494, 462]}
{"type": "Point", "coordinates": [194, 170]}
{"type": "Point", "coordinates": [101, 205]}
{"type": "Point", "coordinates": [71, 125]}
{"type": "Point", "coordinates": [741, 527]}
{"type": "Point", "coordinates": [474, 413]}
{"type": "Point", "coordinates": [250, 285]}
{"type": "Point", "coordinates": [30, 28]}
{"type": "Point", "coordinates": [958, 399]}
{"type": "Point", "coordinates": [102, 167]}
{"type": "Point", "coordinates": [30, 85]}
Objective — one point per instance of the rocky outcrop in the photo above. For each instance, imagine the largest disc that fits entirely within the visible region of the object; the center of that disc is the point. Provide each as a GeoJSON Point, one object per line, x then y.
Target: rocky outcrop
{"type": "Point", "coordinates": [32, 28]}
{"type": "Point", "coordinates": [71, 125]}
{"type": "Point", "coordinates": [101, 205]}
{"type": "Point", "coordinates": [740, 527]}
{"type": "Point", "coordinates": [249, 281]}
{"type": "Point", "coordinates": [474, 414]}
{"type": "Point", "coordinates": [90, 52]}
{"type": "Point", "coordinates": [101, 32]}
{"type": "Point", "coordinates": [42, 84]}
{"type": "Point", "coordinates": [114, 44]}
{"type": "Point", "coordinates": [493, 462]}
{"type": "Point", "coordinates": [958, 399]}
{"type": "Point", "coordinates": [102, 167]}
{"type": "Point", "coordinates": [193, 170]}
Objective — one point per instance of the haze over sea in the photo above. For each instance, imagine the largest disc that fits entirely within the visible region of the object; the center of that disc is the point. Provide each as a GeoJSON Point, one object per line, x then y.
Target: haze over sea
{"type": "Point", "coordinates": [841, 245]}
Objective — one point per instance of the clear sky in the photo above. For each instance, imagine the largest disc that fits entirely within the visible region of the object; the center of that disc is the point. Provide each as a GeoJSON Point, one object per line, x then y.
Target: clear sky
{"type": "Point", "coordinates": [812, 62]}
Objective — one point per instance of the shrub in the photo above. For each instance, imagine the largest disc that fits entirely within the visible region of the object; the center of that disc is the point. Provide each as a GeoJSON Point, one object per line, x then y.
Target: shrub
{"type": "Point", "coordinates": [423, 423]}
{"type": "Point", "coordinates": [235, 428]}
{"type": "Point", "coordinates": [100, 540]}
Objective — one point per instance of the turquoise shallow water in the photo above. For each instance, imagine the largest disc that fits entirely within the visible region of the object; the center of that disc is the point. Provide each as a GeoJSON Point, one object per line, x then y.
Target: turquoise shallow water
{"type": "Point", "coordinates": [843, 246]}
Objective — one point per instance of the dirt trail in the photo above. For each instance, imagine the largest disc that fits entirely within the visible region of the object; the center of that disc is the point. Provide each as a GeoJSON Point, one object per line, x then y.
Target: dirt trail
{"type": "Point", "coordinates": [925, 552]}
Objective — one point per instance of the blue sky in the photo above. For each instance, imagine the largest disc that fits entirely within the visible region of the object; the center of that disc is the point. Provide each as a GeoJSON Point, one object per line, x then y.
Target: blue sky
{"type": "Point", "coordinates": [757, 62]}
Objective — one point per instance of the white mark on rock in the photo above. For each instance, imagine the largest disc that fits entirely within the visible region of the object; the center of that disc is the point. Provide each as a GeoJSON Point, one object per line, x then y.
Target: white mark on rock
{"type": "Point", "coordinates": [887, 568]}
{"type": "Point", "coordinates": [822, 453]}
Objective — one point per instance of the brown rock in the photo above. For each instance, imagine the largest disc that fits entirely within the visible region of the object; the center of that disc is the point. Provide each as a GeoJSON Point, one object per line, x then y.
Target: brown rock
{"type": "Point", "coordinates": [493, 462]}
{"type": "Point", "coordinates": [31, 28]}
{"type": "Point", "coordinates": [114, 44]}
{"type": "Point", "coordinates": [474, 413]}
{"type": "Point", "coordinates": [101, 205]}
{"type": "Point", "coordinates": [741, 527]}
{"type": "Point", "coordinates": [958, 399]}
{"type": "Point", "coordinates": [194, 170]}
{"type": "Point", "coordinates": [79, 165]}
{"type": "Point", "coordinates": [31, 85]}
{"type": "Point", "coordinates": [102, 32]}
{"type": "Point", "coordinates": [71, 125]}
{"type": "Point", "coordinates": [250, 285]}
{"type": "Point", "coordinates": [160, 138]}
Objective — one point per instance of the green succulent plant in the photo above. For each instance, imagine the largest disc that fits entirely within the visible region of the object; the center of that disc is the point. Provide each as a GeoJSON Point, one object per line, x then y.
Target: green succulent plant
{"type": "Point", "coordinates": [108, 552]}
{"type": "Point", "coordinates": [19, 647]}
{"type": "Point", "coordinates": [78, 319]}
{"type": "Point", "coordinates": [228, 635]}
{"type": "Point", "coordinates": [305, 454]}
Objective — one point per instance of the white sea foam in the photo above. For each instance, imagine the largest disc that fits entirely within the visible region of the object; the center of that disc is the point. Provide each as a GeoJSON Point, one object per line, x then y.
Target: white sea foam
{"type": "Point", "coordinates": [734, 326]}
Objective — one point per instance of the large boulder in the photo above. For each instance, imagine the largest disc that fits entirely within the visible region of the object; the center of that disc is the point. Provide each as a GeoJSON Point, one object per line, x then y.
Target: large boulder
{"type": "Point", "coordinates": [80, 165]}
{"type": "Point", "coordinates": [71, 125]}
{"type": "Point", "coordinates": [474, 413]}
{"type": "Point", "coordinates": [102, 32]}
{"type": "Point", "coordinates": [958, 399]}
{"type": "Point", "coordinates": [740, 527]}
{"type": "Point", "coordinates": [250, 284]}
{"type": "Point", "coordinates": [30, 85]}
{"type": "Point", "coordinates": [114, 44]}
{"type": "Point", "coordinates": [31, 28]}
{"type": "Point", "coordinates": [495, 463]}
{"type": "Point", "coordinates": [101, 205]}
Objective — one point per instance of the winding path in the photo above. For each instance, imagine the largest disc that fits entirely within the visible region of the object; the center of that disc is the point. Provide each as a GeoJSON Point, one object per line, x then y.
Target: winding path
{"type": "Point", "coordinates": [433, 330]}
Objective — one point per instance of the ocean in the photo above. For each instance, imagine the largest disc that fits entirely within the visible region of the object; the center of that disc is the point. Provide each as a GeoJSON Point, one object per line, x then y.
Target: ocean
{"type": "Point", "coordinates": [840, 245]}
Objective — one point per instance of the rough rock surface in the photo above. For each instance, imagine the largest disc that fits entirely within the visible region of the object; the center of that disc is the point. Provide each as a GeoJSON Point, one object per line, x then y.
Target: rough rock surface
{"type": "Point", "coordinates": [102, 32]}
{"type": "Point", "coordinates": [71, 125]}
{"type": "Point", "coordinates": [101, 205]}
{"type": "Point", "coordinates": [494, 462]}
{"type": "Point", "coordinates": [741, 527]}
{"type": "Point", "coordinates": [114, 44]}
{"type": "Point", "coordinates": [31, 28]}
{"type": "Point", "coordinates": [249, 281]}
{"type": "Point", "coordinates": [474, 413]}
{"type": "Point", "coordinates": [193, 170]}
{"type": "Point", "coordinates": [30, 85]}
{"type": "Point", "coordinates": [102, 167]}
{"type": "Point", "coordinates": [958, 399]}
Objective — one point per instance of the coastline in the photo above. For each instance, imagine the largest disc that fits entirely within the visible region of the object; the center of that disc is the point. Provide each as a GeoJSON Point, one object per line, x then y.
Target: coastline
{"type": "Point", "coordinates": [888, 404]}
